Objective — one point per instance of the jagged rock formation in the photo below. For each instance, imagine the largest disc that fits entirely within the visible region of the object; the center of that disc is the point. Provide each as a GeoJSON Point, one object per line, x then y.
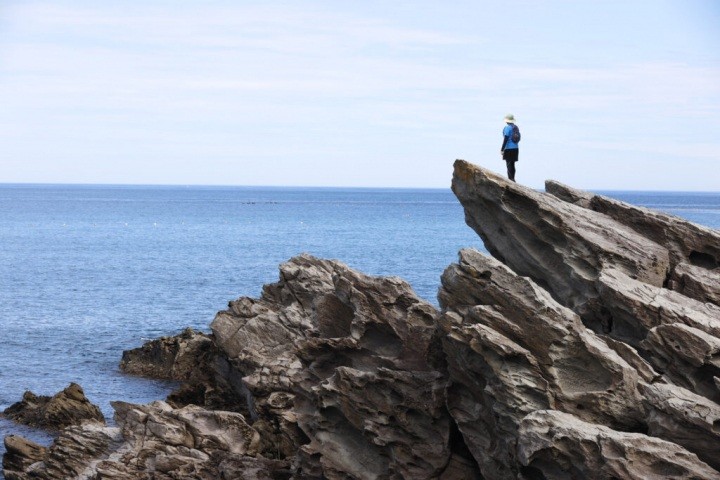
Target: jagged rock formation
{"type": "Point", "coordinates": [193, 359]}
{"type": "Point", "coordinates": [68, 407]}
{"type": "Point", "coordinates": [345, 367]}
{"type": "Point", "coordinates": [513, 350]}
{"type": "Point", "coordinates": [614, 279]}
{"type": "Point", "coordinates": [589, 347]}
{"type": "Point", "coordinates": [554, 445]}
{"type": "Point", "coordinates": [617, 279]}
{"type": "Point", "coordinates": [686, 242]}
{"type": "Point", "coordinates": [156, 441]}
{"type": "Point", "coordinates": [19, 455]}
{"type": "Point", "coordinates": [168, 358]}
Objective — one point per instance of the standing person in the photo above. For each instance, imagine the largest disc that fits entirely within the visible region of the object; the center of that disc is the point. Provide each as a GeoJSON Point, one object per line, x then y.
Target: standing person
{"type": "Point", "coordinates": [510, 149]}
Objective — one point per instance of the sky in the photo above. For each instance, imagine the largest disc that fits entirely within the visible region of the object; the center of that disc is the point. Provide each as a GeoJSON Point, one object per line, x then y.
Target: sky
{"type": "Point", "coordinates": [611, 95]}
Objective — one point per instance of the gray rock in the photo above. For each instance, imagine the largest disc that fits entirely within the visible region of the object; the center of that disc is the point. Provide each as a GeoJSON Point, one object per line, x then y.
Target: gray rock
{"type": "Point", "coordinates": [354, 357]}
{"type": "Point", "coordinates": [637, 307]}
{"type": "Point", "coordinates": [589, 347]}
{"type": "Point", "coordinates": [690, 420]}
{"type": "Point", "coordinates": [687, 242]}
{"type": "Point", "coordinates": [584, 258]}
{"type": "Point", "coordinates": [169, 358]}
{"type": "Point", "coordinates": [192, 358]}
{"type": "Point", "coordinates": [688, 357]}
{"type": "Point", "coordinates": [67, 407]}
{"type": "Point", "coordinates": [157, 441]}
{"type": "Point", "coordinates": [561, 246]}
{"type": "Point", "coordinates": [562, 447]}
{"type": "Point", "coordinates": [568, 194]}
{"type": "Point", "coordinates": [696, 282]}
{"type": "Point", "coordinates": [513, 350]}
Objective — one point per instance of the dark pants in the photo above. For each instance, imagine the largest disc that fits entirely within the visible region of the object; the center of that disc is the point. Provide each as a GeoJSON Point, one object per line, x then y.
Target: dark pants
{"type": "Point", "coordinates": [510, 157]}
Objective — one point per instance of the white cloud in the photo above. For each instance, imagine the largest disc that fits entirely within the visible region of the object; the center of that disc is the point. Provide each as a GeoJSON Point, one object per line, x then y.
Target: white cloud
{"type": "Point", "coordinates": [276, 81]}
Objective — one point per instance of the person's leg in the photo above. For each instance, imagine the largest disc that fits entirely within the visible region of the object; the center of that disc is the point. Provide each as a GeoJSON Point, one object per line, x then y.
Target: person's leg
{"type": "Point", "coordinates": [511, 169]}
{"type": "Point", "coordinates": [510, 157]}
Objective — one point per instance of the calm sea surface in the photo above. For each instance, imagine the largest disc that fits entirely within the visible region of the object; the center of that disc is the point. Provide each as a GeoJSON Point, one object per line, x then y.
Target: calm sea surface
{"type": "Point", "coordinates": [89, 271]}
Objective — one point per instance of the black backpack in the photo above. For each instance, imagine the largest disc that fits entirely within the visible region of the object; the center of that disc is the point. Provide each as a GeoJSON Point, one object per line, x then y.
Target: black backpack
{"type": "Point", "coordinates": [515, 135]}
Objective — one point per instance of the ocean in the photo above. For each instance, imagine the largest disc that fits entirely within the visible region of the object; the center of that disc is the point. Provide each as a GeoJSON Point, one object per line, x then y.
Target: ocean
{"type": "Point", "coordinates": [89, 271]}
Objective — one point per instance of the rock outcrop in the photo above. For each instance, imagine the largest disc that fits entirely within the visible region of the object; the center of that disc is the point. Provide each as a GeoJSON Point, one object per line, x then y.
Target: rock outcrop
{"type": "Point", "coordinates": [588, 347]}
{"type": "Point", "coordinates": [555, 446]}
{"type": "Point", "coordinates": [65, 410]}
{"type": "Point", "coordinates": [68, 407]}
{"type": "Point", "coordinates": [614, 270]}
{"type": "Point", "coordinates": [156, 441]}
{"type": "Point", "coordinates": [686, 242]}
{"type": "Point", "coordinates": [513, 350]}
{"type": "Point", "coordinates": [347, 368]}
{"type": "Point", "coordinates": [193, 359]}
{"type": "Point", "coordinates": [20, 454]}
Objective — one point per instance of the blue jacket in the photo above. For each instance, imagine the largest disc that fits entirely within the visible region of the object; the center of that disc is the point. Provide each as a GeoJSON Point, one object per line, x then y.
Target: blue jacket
{"type": "Point", "coordinates": [508, 144]}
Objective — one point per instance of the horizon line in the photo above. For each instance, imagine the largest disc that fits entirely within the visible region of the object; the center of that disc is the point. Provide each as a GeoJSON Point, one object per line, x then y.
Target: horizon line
{"type": "Point", "coordinates": [301, 187]}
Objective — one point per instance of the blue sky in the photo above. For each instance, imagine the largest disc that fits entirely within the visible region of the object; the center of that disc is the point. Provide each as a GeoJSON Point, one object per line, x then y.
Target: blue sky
{"type": "Point", "coordinates": [608, 95]}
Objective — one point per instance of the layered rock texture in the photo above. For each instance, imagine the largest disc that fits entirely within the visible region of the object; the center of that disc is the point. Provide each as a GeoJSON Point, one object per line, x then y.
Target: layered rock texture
{"type": "Point", "coordinates": [68, 407]}
{"type": "Point", "coordinates": [587, 346]}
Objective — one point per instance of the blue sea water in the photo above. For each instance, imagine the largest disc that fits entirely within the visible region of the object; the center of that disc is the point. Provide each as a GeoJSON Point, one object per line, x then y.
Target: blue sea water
{"type": "Point", "coordinates": [89, 271]}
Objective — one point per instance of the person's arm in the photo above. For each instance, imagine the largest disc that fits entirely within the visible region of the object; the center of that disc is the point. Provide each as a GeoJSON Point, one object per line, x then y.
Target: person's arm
{"type": "Point", "coordinates": [505, 140]}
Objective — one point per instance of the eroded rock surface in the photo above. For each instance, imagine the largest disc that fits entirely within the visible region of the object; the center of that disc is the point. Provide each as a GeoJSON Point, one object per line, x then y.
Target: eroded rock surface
{"type": "Point", "coordinates": [588, 347]}
{"type": "Point", "coordinates": [558, 446]}
{"type": "Point", "coordinates": [19, 455]}
{"type": "Point", "coordinates": [513, 350]}
{"type": "Point", "coordinates": [356, 363]}
{"type": "Point", "coordinates": [694, 250]}
{"type": "Point", "coordinates": [686, 242]}
{"type": "Point", "coordinates": [68, 407]}
{"type": "Point", "coordinates": [609, 262]}
{"type": "Point", "coordinates": [192, 358]}
{"type": "Point", "coordinates": [561, 246]}
{"type": "Point", "coordinates": [155, 441]}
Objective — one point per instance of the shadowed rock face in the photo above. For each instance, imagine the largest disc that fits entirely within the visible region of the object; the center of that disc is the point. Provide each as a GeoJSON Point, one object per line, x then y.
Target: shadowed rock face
{"type": "Point", "coordinates": [193, 359]}
{"type": "Point", "coordinates": [579, 351]}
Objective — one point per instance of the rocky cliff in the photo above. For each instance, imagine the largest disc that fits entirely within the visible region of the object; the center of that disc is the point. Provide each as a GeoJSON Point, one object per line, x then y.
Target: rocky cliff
{"type": "Point", "coordinates": [587, 346]}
